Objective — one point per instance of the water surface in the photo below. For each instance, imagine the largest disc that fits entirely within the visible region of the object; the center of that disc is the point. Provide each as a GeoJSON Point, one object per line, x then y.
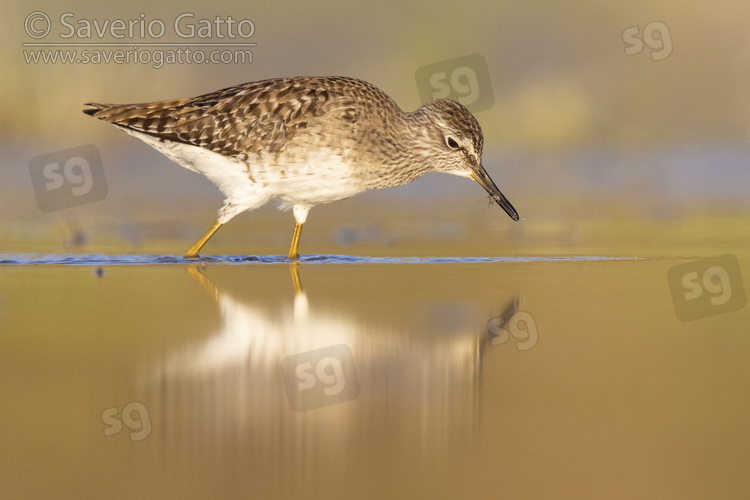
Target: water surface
{"type": "Point", "coordinates": [566, 376]}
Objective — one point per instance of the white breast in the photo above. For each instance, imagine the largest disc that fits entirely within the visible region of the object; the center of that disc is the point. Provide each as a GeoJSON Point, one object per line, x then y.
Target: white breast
{"type": "Point", "coordinates": [320, 177]}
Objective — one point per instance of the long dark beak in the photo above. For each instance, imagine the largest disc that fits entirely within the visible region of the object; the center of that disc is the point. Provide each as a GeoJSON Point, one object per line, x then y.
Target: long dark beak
{"type": "Point", "coordinates": [480, 175]}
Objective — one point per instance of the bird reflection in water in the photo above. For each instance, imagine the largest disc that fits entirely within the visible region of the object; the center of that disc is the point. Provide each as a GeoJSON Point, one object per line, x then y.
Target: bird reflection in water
{"type": "Point", "coordinates": [422, 385]}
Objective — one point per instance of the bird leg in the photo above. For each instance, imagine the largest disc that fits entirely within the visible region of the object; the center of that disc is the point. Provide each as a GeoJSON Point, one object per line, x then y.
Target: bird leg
{"type": "Point", "coordinates": [192, 252]}
{"type": "Point", "coordinates": [293, 255]}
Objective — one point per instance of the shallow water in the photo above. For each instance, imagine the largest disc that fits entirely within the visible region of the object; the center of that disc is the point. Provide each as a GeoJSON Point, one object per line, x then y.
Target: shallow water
{"type": "Point", "coordinates": [338, 377]}
{"type": "Point", "coordinates": [73, 259]}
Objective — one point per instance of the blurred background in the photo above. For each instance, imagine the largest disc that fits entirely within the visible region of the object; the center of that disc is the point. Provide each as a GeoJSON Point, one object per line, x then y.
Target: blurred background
{"type": "Point", "coordinates": [616, 129]}
{"type": "Point", "coordinates": [612, 127]}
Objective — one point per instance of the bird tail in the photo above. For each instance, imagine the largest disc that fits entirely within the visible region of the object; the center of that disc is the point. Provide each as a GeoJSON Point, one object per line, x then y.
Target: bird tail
{"type": "Point", "coordinates": [97, 108]}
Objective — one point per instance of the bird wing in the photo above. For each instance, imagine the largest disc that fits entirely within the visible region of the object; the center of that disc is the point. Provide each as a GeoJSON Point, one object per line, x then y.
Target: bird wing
{"type": "Point", "coordinates": [253, 118]}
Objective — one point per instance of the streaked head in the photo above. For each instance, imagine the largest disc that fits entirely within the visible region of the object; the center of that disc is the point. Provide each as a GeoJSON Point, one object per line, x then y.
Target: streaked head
{"type": "Point", "coordinates": [455, 146]}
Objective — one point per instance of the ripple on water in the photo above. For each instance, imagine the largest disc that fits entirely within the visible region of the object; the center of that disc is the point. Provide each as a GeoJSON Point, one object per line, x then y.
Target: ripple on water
{"type": "Point", "coordinates": [135, 259]}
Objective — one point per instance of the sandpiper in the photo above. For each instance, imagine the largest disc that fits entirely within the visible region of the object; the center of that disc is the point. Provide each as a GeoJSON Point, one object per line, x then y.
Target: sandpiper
{"type": "Point", "coordinates": [305, 141]}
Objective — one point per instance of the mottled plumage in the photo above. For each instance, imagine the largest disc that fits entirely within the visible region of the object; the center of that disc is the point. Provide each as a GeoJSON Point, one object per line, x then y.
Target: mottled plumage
{"type": "Point", "coordinates": [305, 141]}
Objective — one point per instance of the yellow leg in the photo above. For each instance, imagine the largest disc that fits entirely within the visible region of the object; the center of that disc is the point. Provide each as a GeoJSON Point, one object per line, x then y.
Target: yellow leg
{"type": "Point", "coordinates": [192, 252]}
{"type": "Point", "coordinates": [293, 255]}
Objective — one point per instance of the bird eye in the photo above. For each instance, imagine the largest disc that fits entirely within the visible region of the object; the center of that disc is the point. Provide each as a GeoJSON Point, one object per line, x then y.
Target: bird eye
{"type": "Point", "coordinates": [452, 143]}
